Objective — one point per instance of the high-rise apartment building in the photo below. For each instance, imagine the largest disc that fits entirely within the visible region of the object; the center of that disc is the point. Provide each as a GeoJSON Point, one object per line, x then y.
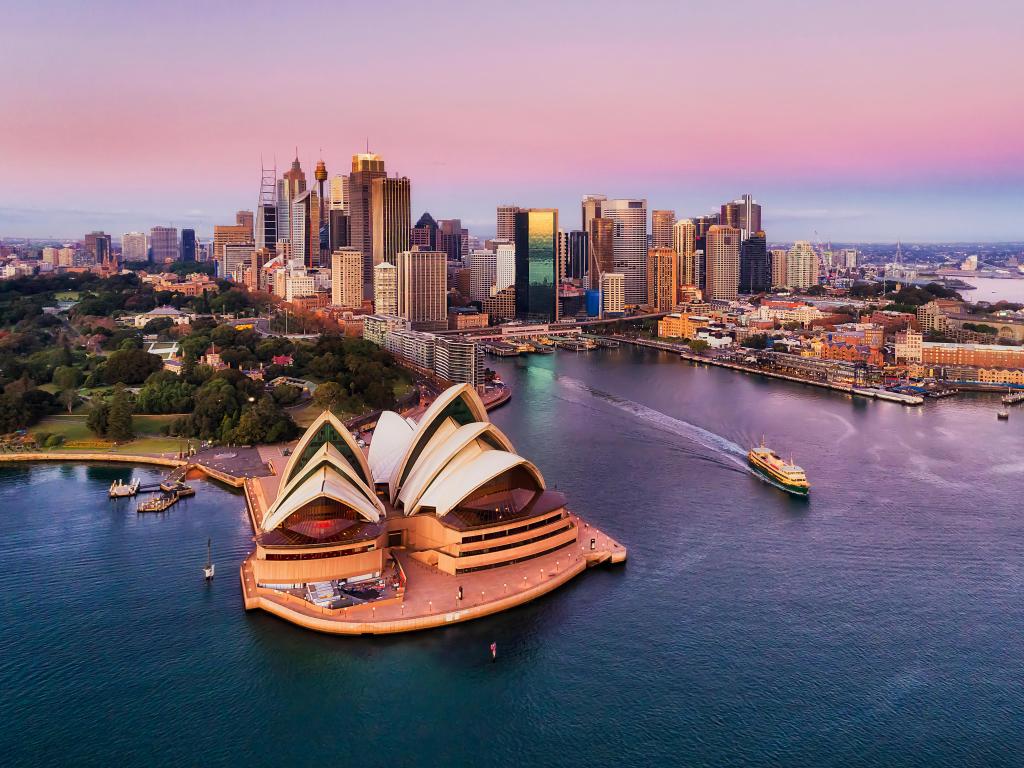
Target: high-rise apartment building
{"type": "Point", "coordinates": [423, 289]}
{"type": "Point", "coordinates": [188, 245]}
{"type": "Point", "coordinates": [506, 222]}
{"type": "Point", "coordinates": [365, 168]}
{"type": "Point", "coordinates": [50, 254]}
{"type": "Point", "coordinates": [801, 266]}
{"type": "Point", "coordinates": [163, 244]}
{"type": "Point", "coordinates": [133, 247]}
{"type": "Point", "coordinates": [590, 209]}
{"type": "Point", "coordinates": [392, 217]}
{"type": "Point", "coordinates": [662, 279]}
{"type": "Point", "coordinates": [228, 233]}
{"type": "Point", "coordinates": [385, 289]}
{"type": "Point", "coordinates": [777, 261]}
{"type": "Point", "coordinates": [601, 252]}
{"type": "Point", "coordinates": [483, 274]}
{"type": "Point", "coordinates": [744, 214]}
{"type": "Point", "coordinates": [66, 257]}
{"type": "Point", "coordinates": [722, 263]}
{"type": "Point", "coordinates": [347, 278]}
{"type": "Point", "coordinates": [613, 294]}
{"type": "Point", "coordinates": [237, 259]}
{"type": "Point", "coordinates": [661, 228]}
{"type": "Point", "coordinates": [629, 245]}
{"type": "Point", "coordinates": [755, 272]}
{"type": "Point", "coordinates": [536, 241]}
{"type": "Point", "coordinates": [684, 243]}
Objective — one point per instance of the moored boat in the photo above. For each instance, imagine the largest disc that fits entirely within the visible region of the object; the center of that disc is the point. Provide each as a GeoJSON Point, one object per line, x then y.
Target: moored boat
{"type": "Point", "coordinates": [120, 490]}
{"type": "Point", "coordinates": [772, 467]}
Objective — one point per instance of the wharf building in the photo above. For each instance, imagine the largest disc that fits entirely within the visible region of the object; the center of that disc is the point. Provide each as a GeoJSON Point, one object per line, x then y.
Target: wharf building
{"type": "Point", "coordinates": [438, 521]}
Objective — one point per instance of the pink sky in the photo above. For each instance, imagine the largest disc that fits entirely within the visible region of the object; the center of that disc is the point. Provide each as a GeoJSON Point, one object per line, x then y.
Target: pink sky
{"type": "Point", "coordinates": [863, 121]}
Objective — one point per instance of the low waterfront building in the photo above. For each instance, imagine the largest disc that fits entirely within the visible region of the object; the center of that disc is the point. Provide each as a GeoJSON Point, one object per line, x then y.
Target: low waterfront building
{"type": "Point", "coordinates": [786, 312]}
{"type": "Point", "coordinates": [465, 318]}
{"type": "Point", "coordinates": [681, 326]}
{"type": "Point", "coordinates": [377, 327]}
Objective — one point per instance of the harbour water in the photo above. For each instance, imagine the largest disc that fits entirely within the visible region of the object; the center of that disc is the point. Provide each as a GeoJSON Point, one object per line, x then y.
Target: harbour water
{"type": "Point", "coordinates": [878, 623]}
{"type": "Point", "coordinates": [993, 289]}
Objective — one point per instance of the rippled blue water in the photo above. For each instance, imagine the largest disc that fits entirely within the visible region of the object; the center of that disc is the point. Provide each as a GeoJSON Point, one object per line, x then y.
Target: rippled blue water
{"type": "Point", "coordinates": [879, 623]}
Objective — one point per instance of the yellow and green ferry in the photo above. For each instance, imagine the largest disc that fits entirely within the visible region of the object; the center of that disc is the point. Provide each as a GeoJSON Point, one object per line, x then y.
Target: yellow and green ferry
{"type": "Point", "coordinates": [786, 475]}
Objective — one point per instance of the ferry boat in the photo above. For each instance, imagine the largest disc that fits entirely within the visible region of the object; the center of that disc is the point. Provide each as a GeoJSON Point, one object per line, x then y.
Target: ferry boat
{"type": "Point", "coordinates": [787, 475]}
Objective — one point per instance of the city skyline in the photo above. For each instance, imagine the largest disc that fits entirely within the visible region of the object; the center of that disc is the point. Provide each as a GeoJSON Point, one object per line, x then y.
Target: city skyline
{"type": "Point", "coordinates": [851, 130]}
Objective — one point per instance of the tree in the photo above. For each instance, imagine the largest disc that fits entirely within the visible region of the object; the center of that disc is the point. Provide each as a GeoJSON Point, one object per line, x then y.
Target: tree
{"type": "Point", "coordinates": [164, 392]}
{"type": "Point", "coordinates": [67, 377]}
{"type": "Point", "coordinates": [698, 345]}
{"type": "Point", "coordinates": [328, 395]}
{"type": "Point", "coordinates": [99, 417]}
{"type": "Point", "coordinates": [68, 398]}
{"type": "Point", "coordinates": [119, 421]}
{"type": "Point", "coordinates": [131, 366]}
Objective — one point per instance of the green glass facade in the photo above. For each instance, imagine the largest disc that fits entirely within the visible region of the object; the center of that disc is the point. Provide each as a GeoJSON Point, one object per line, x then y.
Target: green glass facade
{"type": "Point", "coordinates": [536, 238]}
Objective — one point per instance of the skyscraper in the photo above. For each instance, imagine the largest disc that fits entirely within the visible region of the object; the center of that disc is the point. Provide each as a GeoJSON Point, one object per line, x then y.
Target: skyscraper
{"type": "Point", "coordinates": [323, 231]}
{"type": "Point", "coordinates": [228, 233]}
{"type": "Point", "coordinates": [188, 245]}
{"type": "Point", "coordinates": [662, 279]}
{"type": "Point", "coordinates": [505, 269]}
{"type": "Point", "coordinates": [266, 234]}
{"type": "Point", "coordinates": [755, 274]}
{"type": "Point", "coordinates": [575, 255]}
{"type": "Point", "coordinates": [450, 238]}
{"type": "Point", "coordinates": [423, 289]}
{"type": "Point", "coordinates": [97, 245]}
{"type": "Point", "coordinates": [801, 266]}
{"type": "Point", "coordinates": [629, 245]}
{"type": "Point", "coordinates": [391, 218]}
{"type": "Point", "coordinates": [305, 234]}
{"type": "Point", "coordinates": [163, 244]}
{"type": "Point", "coordinates": [365, 168]}
{"type": "Point", "coordinates": [133, 246]}
{"type": "Point", "coordinates": [339, 192]}
{"type": "Point", "coordinates": [290, 186]}
{"type": "Point", "coordinates": [385, 289]}
{"type": "Point", "coordinates": [347, 278]}
{"type": "Point", "coordinates": [506, 222]}
{"type": "Point", "coordinates": [483, 274]}
{"type": "Point", "coordinates": [743, 214]}
{"type": "Point", "coordinates": [339, 228]}
{"type": "Point", "coordinates": [245, 219]}
{"type": "Point", "coordinates": [723, 263]}
{"type": "Point", "coordinates": [590, 209]}
{"type": "Point", "coordinates": [684, 243]}
{"type": "Point", "coordinates": [536, 241]}
{"type": "Point", "coordinates": [661, 228]}
{"type": "Point", "coordinates": [424, 234]}
{"type": "Point", "coordinates": [601, 252]}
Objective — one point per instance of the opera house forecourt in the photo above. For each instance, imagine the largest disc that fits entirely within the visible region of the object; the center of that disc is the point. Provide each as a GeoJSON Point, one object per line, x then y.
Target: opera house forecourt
{"type": "Point", "coordinates": [438, 521]}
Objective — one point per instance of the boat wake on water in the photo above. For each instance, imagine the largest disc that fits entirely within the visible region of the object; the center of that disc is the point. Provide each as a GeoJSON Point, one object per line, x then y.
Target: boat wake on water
{"type": "Point", "coordinates": [732, 454]}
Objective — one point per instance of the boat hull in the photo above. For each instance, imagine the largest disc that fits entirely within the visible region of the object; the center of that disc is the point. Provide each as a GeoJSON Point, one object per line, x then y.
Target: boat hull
{"type": "Point", "coordinates": [788, 487]}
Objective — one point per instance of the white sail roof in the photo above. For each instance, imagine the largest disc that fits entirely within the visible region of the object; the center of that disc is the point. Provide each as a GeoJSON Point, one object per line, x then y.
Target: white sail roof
{"type": "Point", "coordinates": [436, 459]}
{"type": "Point", "coordinates": [391, 438]}
{"type": "Point", "coordinates": [322, 483]}
{"type": "Point", "coordinates": [446, 492]}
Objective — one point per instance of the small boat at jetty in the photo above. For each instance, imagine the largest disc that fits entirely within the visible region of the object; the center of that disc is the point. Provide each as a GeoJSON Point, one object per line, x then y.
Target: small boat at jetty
{"type": "Point", "coordinates": [1003, 415]}
{"type": "Point", "coordinates": [772, 467]}
{"type": "Point", "coordinates": [120, 490]}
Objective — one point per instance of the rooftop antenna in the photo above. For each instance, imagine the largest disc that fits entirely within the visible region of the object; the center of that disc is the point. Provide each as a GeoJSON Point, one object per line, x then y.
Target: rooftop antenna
{"type": "Point", "coordinates": [367, 145]}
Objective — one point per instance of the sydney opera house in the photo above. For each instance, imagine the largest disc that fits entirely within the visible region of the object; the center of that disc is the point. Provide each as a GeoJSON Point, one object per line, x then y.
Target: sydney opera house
{"type": "Point", "coordinates": [438, 521]}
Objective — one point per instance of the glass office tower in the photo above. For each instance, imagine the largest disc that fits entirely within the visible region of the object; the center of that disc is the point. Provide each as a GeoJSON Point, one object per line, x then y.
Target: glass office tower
{"type": "Point", "coordinates": [536, 238]}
